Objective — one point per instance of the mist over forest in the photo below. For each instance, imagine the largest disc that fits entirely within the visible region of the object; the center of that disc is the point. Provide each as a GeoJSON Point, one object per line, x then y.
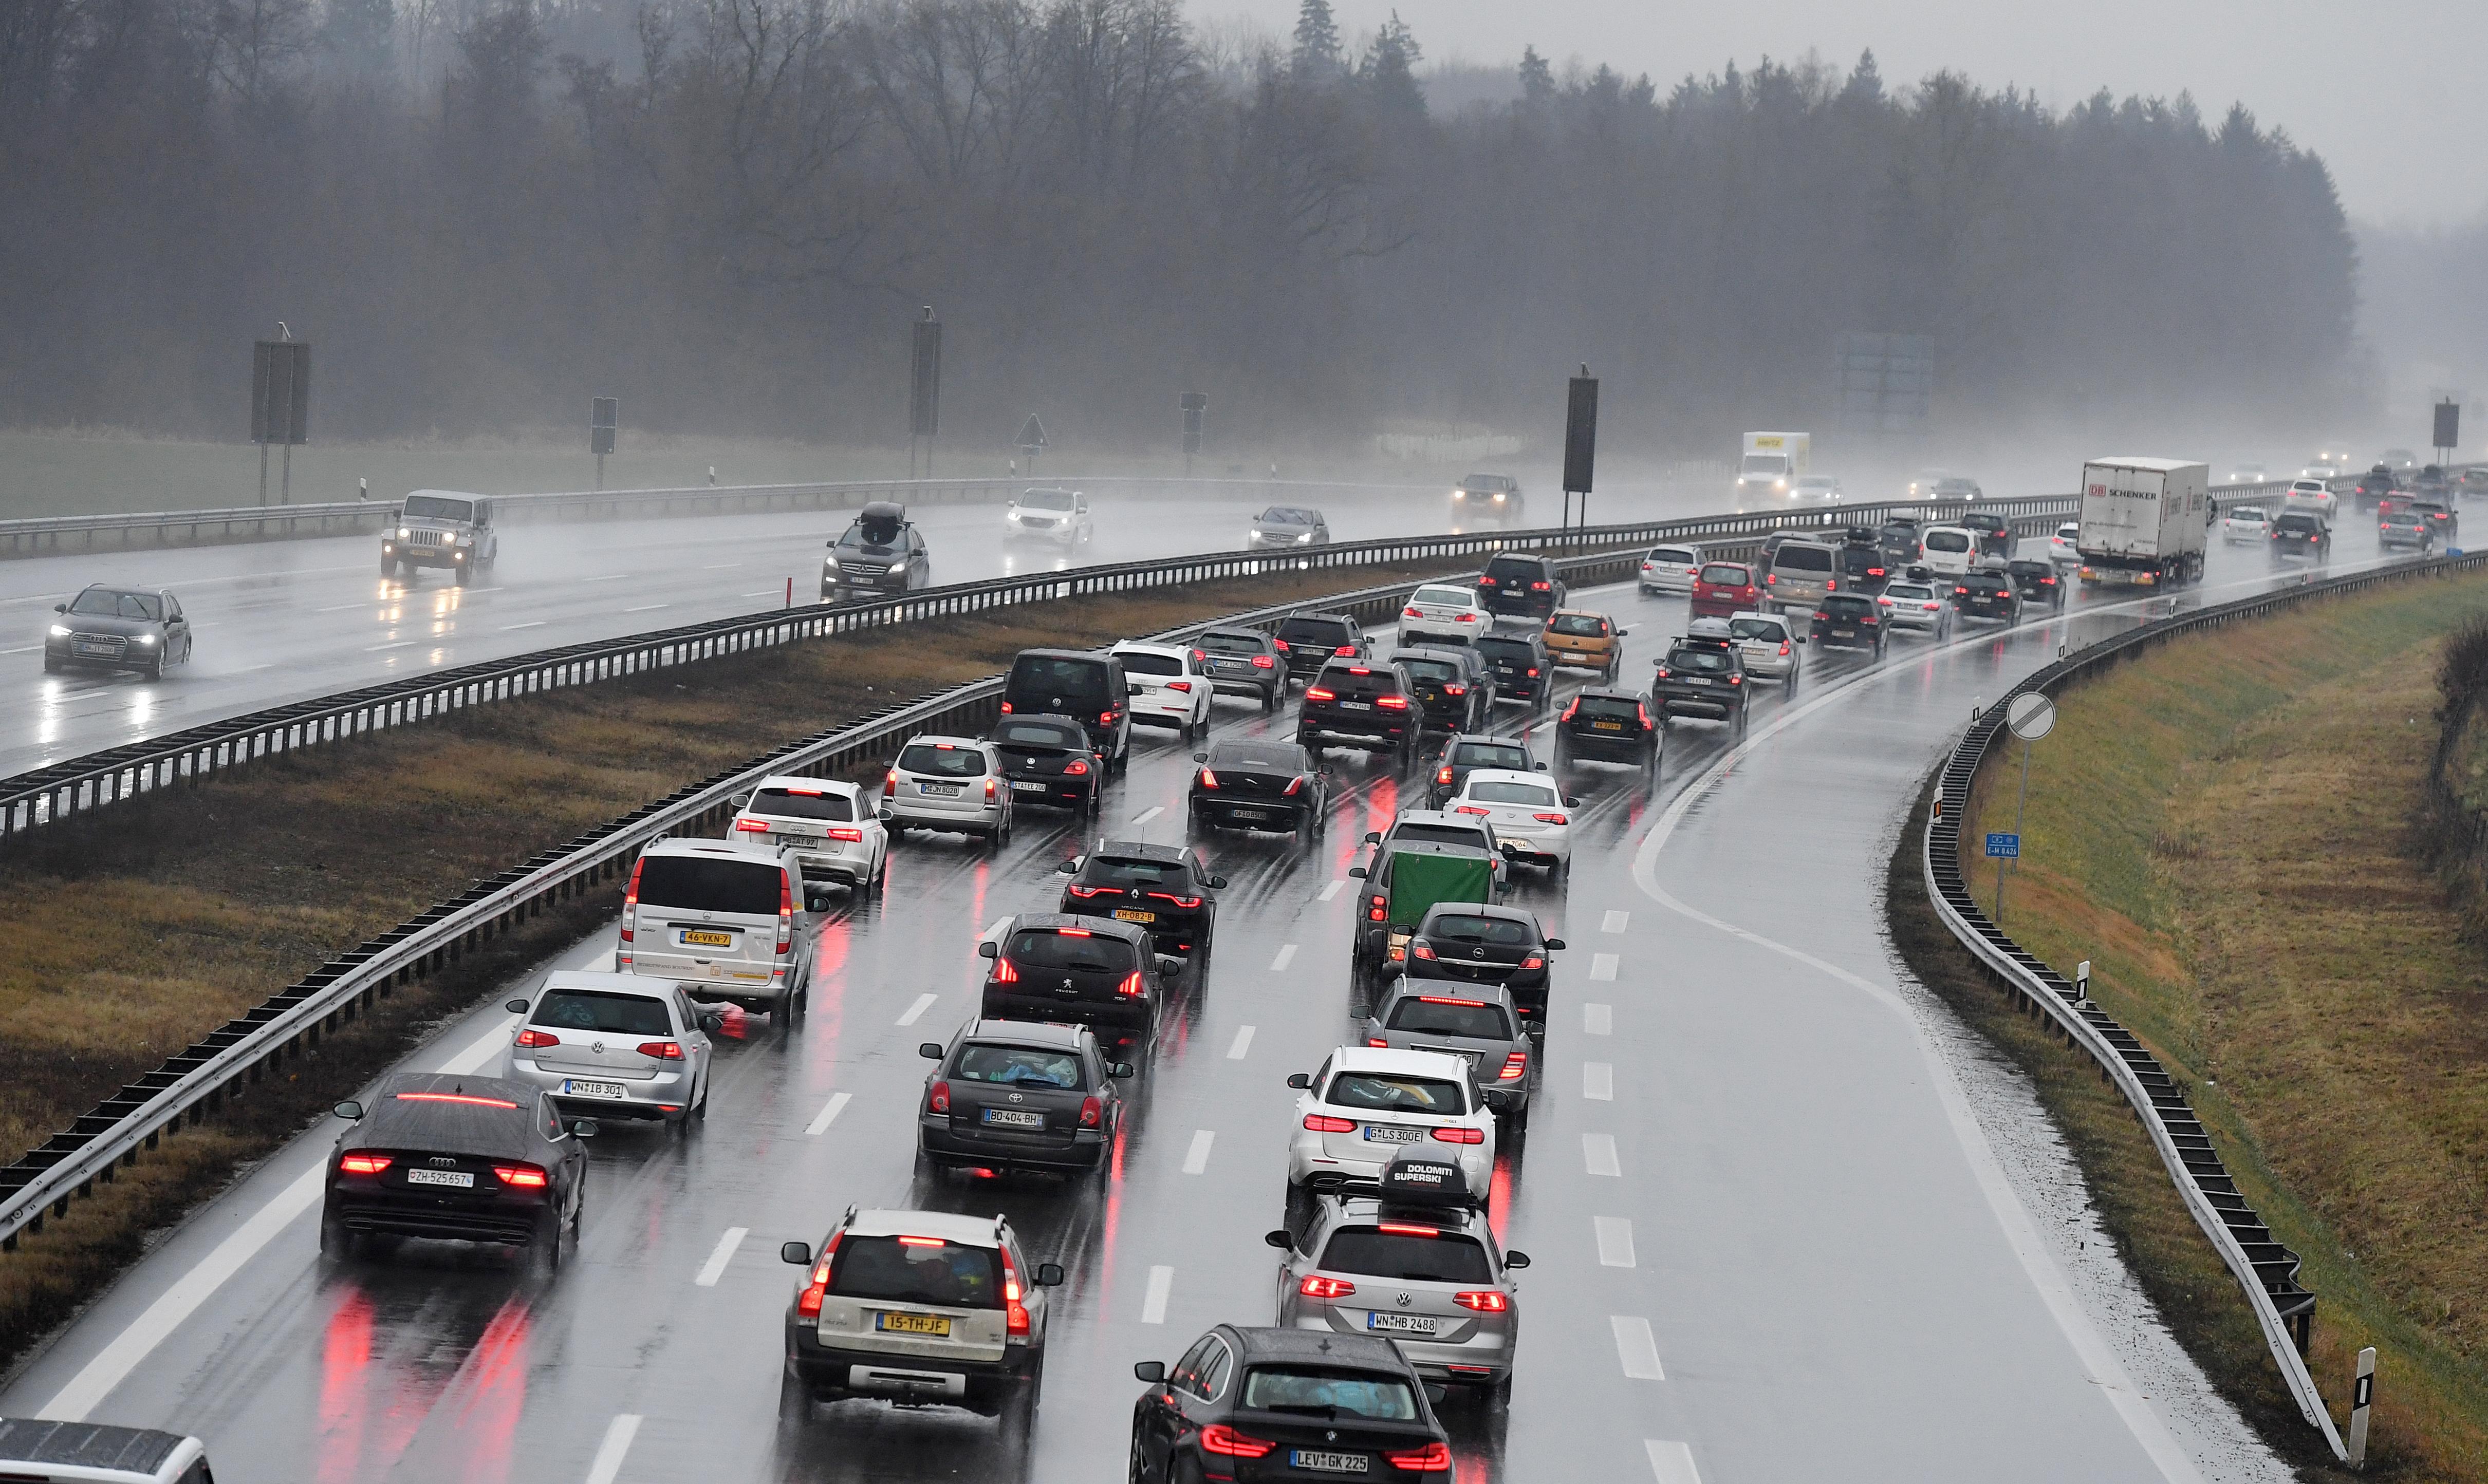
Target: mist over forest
{"type": "Point", "coordinates": [725, 211]}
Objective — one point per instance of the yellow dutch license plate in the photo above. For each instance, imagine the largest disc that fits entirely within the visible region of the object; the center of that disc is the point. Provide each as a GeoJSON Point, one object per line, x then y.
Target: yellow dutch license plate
{"type": "Point", "coordinates": [708, 939]}
{"type": "Point", "coordinates": [1126, 915]}
{"type": "Point", "coordinates": [936, 1325]}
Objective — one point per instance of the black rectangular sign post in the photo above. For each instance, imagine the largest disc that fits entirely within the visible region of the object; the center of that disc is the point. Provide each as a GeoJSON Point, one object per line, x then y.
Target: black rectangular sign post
{"type": "Point", "coordinates": [2449, 428]}
{"type": "Point", "coordinates": [924, 390]}
{"type": "Point", "coordinates": [280, 404]}
{"type": "Point", "coordinates": [1196, 408]}
{"type": "Point", "coordinates": [604, 417]}
{"type": "Point", "coordinates": [1581, 443]}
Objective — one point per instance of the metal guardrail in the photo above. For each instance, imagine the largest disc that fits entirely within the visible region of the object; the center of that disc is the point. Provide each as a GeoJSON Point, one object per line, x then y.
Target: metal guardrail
{"type": "Point", "coordinates": [40, 796]}
{"type": "Point", "coordinates": [244, 1051]}
{"type": "Point", "coordinates": [2265, 1269]}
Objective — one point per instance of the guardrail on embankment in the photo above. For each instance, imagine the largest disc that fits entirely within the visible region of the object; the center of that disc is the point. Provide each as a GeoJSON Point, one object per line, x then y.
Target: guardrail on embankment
{"type": "Point", "coordinates": [42, 795]}
{"type": "Point", "coordinates": [2265, 1269]}
{"type": "Point", "coordinates": [244, 1051]}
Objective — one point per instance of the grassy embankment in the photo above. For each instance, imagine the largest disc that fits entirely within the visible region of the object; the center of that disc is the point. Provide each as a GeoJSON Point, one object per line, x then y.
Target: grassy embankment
{"type": "Point", "coordinates": [2224, 827]}
{"type": "Point", "coordinates": [137, 929]}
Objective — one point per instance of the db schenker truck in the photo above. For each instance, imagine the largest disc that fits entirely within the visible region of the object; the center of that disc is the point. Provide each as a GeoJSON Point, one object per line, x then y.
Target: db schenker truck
{"type": "Point", "coordinates": [2143, 521]}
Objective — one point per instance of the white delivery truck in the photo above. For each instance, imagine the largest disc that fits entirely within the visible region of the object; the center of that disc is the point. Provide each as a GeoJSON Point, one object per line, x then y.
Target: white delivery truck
{"type": "Point", "coordinates": [1767, 473]}
{"type": "Point", "coordinates": [2143, 521]}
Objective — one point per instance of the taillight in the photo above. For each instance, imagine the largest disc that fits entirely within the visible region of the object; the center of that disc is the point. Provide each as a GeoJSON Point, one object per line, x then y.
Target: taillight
{"type": "Point", "coordinates": [1208, 779]}
{"type": "Point", "coordinates": [363, 1163]}
{"type": "Point", "coordinates": [1433, 1458]}
{"type": "Point", "coordinates": [889, 779]}
{"type": "Point", "coordinates": [1084, 893]}
{"type": "Point", "coordinates": [663, 1050]}
{"type": "Point", "coordinates": [752, 826]}
{"type": "Point", "coordinates": [1315, 1286]}
{"type": "Point", "coordinates": [1131, 986]}
{"type": "Point", "coordinates": [1455, 691]}
{"type": "Point", "coordinates": [1662, 672]}
{"type": "Point", "coordinates": [1422, 950]}
{"type": "Point", "coordinates": [1738, 679]}
{"type": "Point", "coordinates": [1461, 1135]}
{"type": "Point", "coordinates": [521, 1177]}
{"type": "Point", "coordinates": [1515, 1066]}
{"type": "Point", "coordinates": [1443, 777]}
{"type": "Point", "coordinates": [1265, 662]}
{"type": "Point", "coordinates": [534, 1037]}
{"type": "Point", "coordinates": [1473, 809]}
{"type": "Point", "coordinates": [785, 913]}
{"type": "Point", "coordinates": [1007, 708]}
{"type": "Point", "coordinates": [1186, 903]}
{"type": "Point", "coordinates": [1373, 910]}
{"type": "Point", "coordinates": [1484, 1300]}
{"type": "Point", "coordinates": [1220, 1439]}
{"type": "Point", "coordinates": [1077, 767]}
{"type": "Point", "coordinates": [1399, 702]}
{"type": "Point", "coordinates": [1092, 1111]}
{"type": "Point", "coordinates": [1533, 961]}
{"type": "Point", "coordinates": [1183, 686]}
{"type": "Point", "coordinates": [631, 900]}
{"type": "Point", "coordinates": [809, 1302]}
{"type": "Point", "coordinates": [1784, 649]}
{"type": "Point", "coordinates": [1376, 1041]}
{"type": "Point", "coordinates": [1571, 710]}
{"type": "Point", "coordinates": [1105, 718]}
{"type": "Point", "coordinates": [1533, 670]}
{"type": "Point", "coordinates": [1005, 971]}
{"type": "Point", "coordinates": [1643, 712]}
{"type": "Point", "coordinates": [1344, 651]}
{"type": "Point", "coordinates": [1771, 580]}
{"type": "Point", "coordinates": [1411, 613]}
{"type": "Point", "coordinates": [1323, 1123]}
{"type": "Point", "coordinates": [1318, 694]}
{"type": "Point", "coordinates": [1281, 645]}
{"type": "Point", "coordinates": [938, 1100]}
{"type": "Point", "coordinates": [1540, 587]}
{"type": "Point", "coordinates": [1014, 1307]}
{"type": "Point", "coordinates": [1294, 785]}
{"type": "Point", "coordinates": [991, 787]}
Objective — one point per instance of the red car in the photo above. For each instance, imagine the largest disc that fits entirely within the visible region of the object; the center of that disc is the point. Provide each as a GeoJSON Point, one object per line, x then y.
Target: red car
{"type": "Point", "coordinates": [1723, 588]}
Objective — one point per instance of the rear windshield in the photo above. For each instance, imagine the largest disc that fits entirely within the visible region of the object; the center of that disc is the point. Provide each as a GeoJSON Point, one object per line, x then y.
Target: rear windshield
{"type": "Point", "coordinates": [2248, 513]}
{"type": "Point", "coordinates": [1070, 679]}
{"type": "Point", "coordinates": [1947, 541]}
{"type": "Point", "coordinates": [1261, 757]}
{"type": "Point", "coordinates": [1525, 568]}
{"type": "Point", "coordinates": [1703, 662]}
{"type": "Point", "coordinates": [804, 805]}
{"type": "Point", "coordinates": [1983, 583]}
{"type": "Point", "coordinates": [1123, 871]}
{"type": "Point", "coordinates": [1455, 596]}
{"type": "Point", "coordinates": [2297, 524]}
{"type": "Point", "coordinates": [1343, 679]}
{"type": "Point", "coordinates": [1511, 651]}
{"type": "Point", "coordinates": [918, 1269]}
{"type": "Point", "coordinates": [1983, 522]}
{"type": "Point", "coordinates": [1901, 589]}
{"type": "Point", "coordinates": [1438, 835]}
{"type": "Point", "coordinates": [1442, 1015]}
{"type": "Point", "coordinates": [616, 1014]}
{"type": "Point", "coordinates": [1042, 734]}
{"type": "Point", "coordinates": [1021, 1066]}
{"type": "Point", "coordinates": [1727, 573]}
{"type": "Point", "coordinates": [1071, 948]}
{"type": "Point", "coordinates": [2031, 569]}
{"type": "Point", "coordinates": [1347, 1394]}
{"type": "Point", "coordinates": [1407, 1257]}
{"type": "Point", "coordinates": [1756, 628]}
{"type": "Point", "coordinates": [1682, 554]}
{"type": "Point", "coordinates": [1389, 1093]}
{"type": "Point", "coordinates": [1511, 793]}
{"type": "Point", "coordinates": [1610, 707]}
{"type": "Point", "coordinates": [1490, 755]}
{"type": "Point", "coordinates": [1587, 625]}
{"type": "Point", "coordinates": [1796, 558]}
{"type": "Point", "coordinates": [1231, 643]}
{"type": "Point", "coordinates": [1845, 605]}
{"type": "Point", "coordinates": [941, 760]}
{"type": "Point", "coordinates": [706, 884]}
{"type": "Point", "coordinates": [1136, 663]}
{"type": "Point", "coordinates": [1316, 630]}
{"type": "Point", "coordinates": [1471, 928]}
{"type": "Point", "coordinates": [1423, 669]}
{"type": "Point", "coordinates": [432, 507]}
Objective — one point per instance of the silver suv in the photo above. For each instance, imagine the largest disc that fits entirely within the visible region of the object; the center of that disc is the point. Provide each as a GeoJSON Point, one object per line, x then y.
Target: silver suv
{"type": "Point", "coordinates": [921, 1309]}
{"type": "Point", "coordinates": [952, 783]}
{"type": "Point", "coordinates": [441, 528]}
{"type": "Point", "coordinates": [1802, 574]}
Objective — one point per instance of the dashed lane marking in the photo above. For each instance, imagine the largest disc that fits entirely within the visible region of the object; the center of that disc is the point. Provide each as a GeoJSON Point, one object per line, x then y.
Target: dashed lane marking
{"type": "Point", "coordinates": [1614, 922]}
{"type": "Point", "coordinates": [1598, 1082]}
{"type": "Point", "coordinates": [1148, 814]}
{"type": "Point", "coordinates": [1671, 1463]}
{"type": "Point", "coordinates": [1597, 1020]}
{"type": "Point", "coordinates": [715, 1268]}
{"type": "Point", "coordinates": [1602, 966]}
{"type": "Point", "coordinates": [1636, 1348]}
{"type": "Point", "coordinates": [530, 624]}
{"type": "Point", "coordinates": [1598, 1154]}
{"type": "Point", "coordinates": [1333, 889]}
{"type": "Point", "coordinates": [924, 1002]}
{"type": "Point", "coordinates": [616, 1445]}
{"type": "Point", "coordinates": [1160, 1284]}
{"type": "Point", "coordinates": [828, 1115]}
{"type": "Point", "coordinates": [1615, 1242]}
{"type": "Point", "coordinates": [1196, 1160]}
{"type": "Point", "coordinates": [648, 608]}
{"type": "Point", "coordinates": [1286, 956]}
{"type": "Point", "coordinates": [1243, 1043]}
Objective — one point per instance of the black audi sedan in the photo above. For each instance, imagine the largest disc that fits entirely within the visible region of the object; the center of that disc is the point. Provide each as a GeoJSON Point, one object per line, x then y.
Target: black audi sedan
{"type": "Point", "coordinates": [1049, 760]}
{"type": "Point", "coordinates": [1162, 888]}
{"type": "Point", "coordinates": [1072, 970]}
{"type": "Point", "coordinates": [1272, 1403]}
{"type": "Point", "coordinates": [118, 629]}
{"type": "Point", "coordinates": [1013, 1095]}
{"type": "Point", "coordinates": [470, 1159]}
{"type": "Point", "coordinates": [1261, 784]}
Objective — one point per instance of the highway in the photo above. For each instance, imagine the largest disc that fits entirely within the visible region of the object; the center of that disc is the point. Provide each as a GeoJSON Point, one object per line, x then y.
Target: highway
{"type": "Point", "coordinates": [1772, 1238]}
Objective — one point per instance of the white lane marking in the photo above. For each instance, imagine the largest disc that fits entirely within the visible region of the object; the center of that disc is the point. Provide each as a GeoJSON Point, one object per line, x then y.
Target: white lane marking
{"type": "Point", "coordinates": [1602, 966]}
{"type": "Point", "coordinates": [1148, 814]}
{"type": "Point", "coordinates": [483, 1049]}
{"type": "Point", "coordinates": [610, 1453]}
{"type": "Point", "coordinates": [99, 1376]}
{"type": "Point", "coordinates": [469, 592]}
{"type": "Point", "coordinates": [343, 607]}
{"type": "Point", "coordinates": [1597, 1020]}
{"type": "Point", "coordinates": [1598, 1154]}
{"type": "Point", "coordinates": [1332, 891]}
{"type": "Point", "coordinates": [1153, 1307]}
{"type": "Point", "coordinates": [924, 1002]}
{"type": "Point", "coordinates": [1615, 1242]}
{"type": "Point", "coordinates": [1614, 922]}
{"type": "Point", "coordinates": [374, 649]}
{"type": "Point", "coordinates": [1196, 1160]}
{"type": "Point", "coordinates": [715, 1268]}
{"type": "Point", "coordinates": [1671, 1463]}
{"type": "Point", "coordinates": [721, 566]}
{"type": "Point", "coordinates": [828, 1114]}
{"type": "Point", "coordinates": [610, 576]}
{"type": "Point", "coordinates": [24, 649]}
{"type": "Point", "coordinates": [1636, 1347]}
{"type": "Point", "coordinates": [1598, 1082]}
{"type": "Point", "coordinates": [648, 608]}
{"type": "Point", "coordinates": [1286, 956]}
{"type": "Point", "coordinates": [1243, 1044]}
{"type": "Point", "coordinates": [530, 624]}
{"type": "Point", "coordinates": [766, 592]}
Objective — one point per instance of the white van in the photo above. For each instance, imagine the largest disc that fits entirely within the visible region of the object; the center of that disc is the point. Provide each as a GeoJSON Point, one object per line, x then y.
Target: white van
{"type": "Point", "coordinates": [725, 920]}
{"type": "Point", "coordinates": [1948, 550]}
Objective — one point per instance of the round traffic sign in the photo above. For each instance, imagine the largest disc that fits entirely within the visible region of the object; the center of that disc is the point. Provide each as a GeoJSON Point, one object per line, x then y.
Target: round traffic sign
{"type": "Point", "coordinates": [2030, 717]}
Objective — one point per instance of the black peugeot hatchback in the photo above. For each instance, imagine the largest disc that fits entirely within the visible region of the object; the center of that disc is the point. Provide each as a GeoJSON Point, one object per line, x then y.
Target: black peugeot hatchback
{"type": "Point", "coordinates": [1075, 971]}
{"type": "Point", "coordinates": [1272, 1404]}
{"type": "Point", "coordinates": [470, 1159]}
{"type": "Point", "coordinates": [1162, 889]}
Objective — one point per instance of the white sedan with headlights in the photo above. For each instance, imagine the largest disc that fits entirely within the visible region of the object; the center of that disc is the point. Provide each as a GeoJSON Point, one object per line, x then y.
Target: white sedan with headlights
{"type": "Point", "coordinates": [1532, 821]}
{"type": "Point", "coordinates": [1369, 1103]}
{"type": "Point", "coordinates": [1058, 516]}
{"type": "Point", "coordinates": [2064, 544]}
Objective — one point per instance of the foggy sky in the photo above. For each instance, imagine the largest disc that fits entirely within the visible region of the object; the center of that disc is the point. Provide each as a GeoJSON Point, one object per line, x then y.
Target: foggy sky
{"type": "Point", "coordinates": [2393, 94]}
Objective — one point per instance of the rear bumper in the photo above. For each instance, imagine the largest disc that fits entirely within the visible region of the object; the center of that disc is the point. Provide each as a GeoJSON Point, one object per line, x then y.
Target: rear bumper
{"type": "Point", "coordinates": [663, 1096]}
{"type": "Point", "coordinates": [1717, 707]}
{"type": "Point", "coordinates": [1052, 789]}
{"type": "Point", "coordinates": [1251, 813]}
{"type": "Point", "coordinates": [828, 1372]}
{"type": "Point", "coordinates": [1621, 747]}
{"type": "Point", "coordinates": [944, 1144]}
{"type": "Point", "coordinates": [500, 1219]}
{"type": "Point", "coordinates": [929, 814]}
{"type": "Point", "coordinates": [1123, 1021]}
{"type": "Point", "coordinates": [1358, 732]}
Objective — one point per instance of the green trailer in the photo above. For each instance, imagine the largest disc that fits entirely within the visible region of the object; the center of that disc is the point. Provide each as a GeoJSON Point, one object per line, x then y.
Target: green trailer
{"type": "Point", "coordinates": [1418, 873]}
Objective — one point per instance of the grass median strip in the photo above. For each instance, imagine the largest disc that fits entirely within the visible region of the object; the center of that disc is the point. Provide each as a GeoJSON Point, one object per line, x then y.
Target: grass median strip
{"type": "Point", "coordinates": [2223, 826]}
{"type": "Point", "coordinates": [137, 929]}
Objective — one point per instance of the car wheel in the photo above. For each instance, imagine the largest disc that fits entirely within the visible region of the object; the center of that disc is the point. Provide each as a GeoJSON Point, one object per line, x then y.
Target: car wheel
{"type": "Point", "coordinates": [1137, 1471]}
{"type": "Point", "coordinates": [546, 1247]}
{"type": "Point", "coordinates": [388, 567]}
{"type": "Point", "coordinates": [1299, 1208]}
{"type": "Point", "coordinates": [794, 1398]}
{"type": "Point", "coordinates": [51, 666]}
{"type": "Point", "coordinates": [699, 1109]}
{"type": "Point", "coordinates": [1019, 1409]}
{"type": "Point", "coordinates": [155, 667]}
{"type": "Point", "coordinates": [337, 1239]}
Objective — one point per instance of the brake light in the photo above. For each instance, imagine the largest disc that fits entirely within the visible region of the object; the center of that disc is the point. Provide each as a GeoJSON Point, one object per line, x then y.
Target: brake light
{"type": "Point", "coordinates": [1007, 708]}
{"type": "Point", "coordinates": [1281, 645]}
{"type": "Point", "coordinates": [1738, 679]}
{"type": "Point", "coordinates": [1455, 691]}
{"type": "Point", "coordinates": [1443, 777]}
{"type": "Point", "coordinates": [521, 1177]}
{"type": "Point", "coordinates": [2046, 582]}
{"type": "Point", "coordinates": [1422, 950]}
{"type": "Point", "coordinates": [990, 785]}
{"type": "Point", "coordinates": [1662, 672]}
{"type": "Point", "coordinates": [1644, 712]}
{"type": "Point", "coordinates": [1483, 1301]}
{"type": "Point", "coordinates": [1552, 819]}
{"type": "Point", "coordinates": [1358, 669]}
{"type": "Point", "coordinates": [1294, 784]}
{"type": "Point", "coordinates": [1472, 809]}
{"type": "Point", "coordinates": [1466, 618]}
{"type": "Point", "coordinates": [1461, 1135]}
{"type": "Point", "coordinates": [1399, 702]}
{"type": "Point", "coordinates": [889, 779]}
{"type": "Point", "coordinates": [1077, 767]}
{"type": "Point", "coordinates": [1885, 602]}
{"type": "Point", "coordinates": [1315, 1286]}
{"type": "Point", "coordinates": [1005, 971]}
{"type": "Point", "coordinates": [631, 900]}
{"type": "Point", "coordinates": [1071, 933]}
{"type": "Point", "coordinates": [785, 913]}
{"type": "Point", "coordinates": [1208, 779]}
{"type": "Point", "coordinates": [1831, 584]}
{"type": "Point", "coordinates": [1771, 580]}
{"type": "Point", "coordinates": [1183, 686]}
{"type": "Point", "coordinates": [1960, 590]}
{"type": "Point", "coordinates": [752, 826]}
{"type": "Point", "coordinates": [1105, 718]}
{"type": "Point", "coordinates": [809, 1302]}
{"type": "Point", "coordinates": [1533, 961]}
{"type": "Point", "coordinates": [1784, 649]}
{"type": "Point", "coordinates": [1186, 903]}
{"type": "Point", "coordinates": [1345, 650]}
{"type": "Point", "coordinates": [1323, 1123]}
{"type": "Point", "coordinates": [1014, 1311]}
{"type": "Point", "coordinates": [938, 1100]}
{"type": "Point", "coordinates": [1220, 1439]}
{"type": "Point", "coordinates": [663, 1050]}
{"type": "Point", "coordinates": [1404, 1230]}
{"type": "Point", "coordinates": [1131, 987]}
{"type": "Point", "coordinates": [1265, 662]}
{"type": "Point", "coordinates": [534, 1036]}
{"type": "Point", "coordinates": [1411, 613]}
{"type": "Point", "coordinates": [1540, 587]}
{"type": "Point", "coordinates": [466, 1098]}
{"type": "Point", "coordinates": [1086, 892]}
{"type": "Point", "coordinates": [1092, 1111]}
{"type": "Point", "coordinates": [1376, 1041]}
{"type": "Point", "coordinates": [1532, 669]}
{"type": "Point", "coordinates": [1571, 710]}
{"type": "Point", "coordinates": [363, 1163]}
{"type": "Point", "coordinates": [1448, 999]}
{"type": "Point", "coordinates": [1318, 694]}
{"type": "Point", "coordinates": [1514, 1067]}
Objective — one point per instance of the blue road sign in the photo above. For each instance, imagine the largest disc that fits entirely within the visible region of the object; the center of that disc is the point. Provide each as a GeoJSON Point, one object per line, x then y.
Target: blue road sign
{"type": "Point", "coordinates": [2008, 846]}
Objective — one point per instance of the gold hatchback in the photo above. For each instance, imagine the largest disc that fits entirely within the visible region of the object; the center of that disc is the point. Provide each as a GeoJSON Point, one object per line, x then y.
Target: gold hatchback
{"type": "Point", "coordinates": [1581, 640]}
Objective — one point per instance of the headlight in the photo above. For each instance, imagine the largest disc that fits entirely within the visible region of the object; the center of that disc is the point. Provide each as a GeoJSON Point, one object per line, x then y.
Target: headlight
{"type": "Point", "coordinates": [1307, 536]}
{"type": "Point", "coordinates": [60, 631]}
{"type": "Point", "coordinates": [1498, 497]}
{"type": "Point", "coordinates": [146, 638]}
{"type": "Point", "coordinates": [400, 533]}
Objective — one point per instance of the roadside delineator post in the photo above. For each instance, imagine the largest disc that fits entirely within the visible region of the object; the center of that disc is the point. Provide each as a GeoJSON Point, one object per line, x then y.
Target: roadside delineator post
{"type": "Point", "coordinates": [2082, 985]}
{"type": "Point", "coordinates": [2362, 1391]}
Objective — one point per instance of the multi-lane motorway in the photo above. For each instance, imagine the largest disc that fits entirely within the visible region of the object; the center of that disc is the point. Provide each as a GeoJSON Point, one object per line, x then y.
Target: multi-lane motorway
{"type": "Point", "coordinates": [1772, 1240]}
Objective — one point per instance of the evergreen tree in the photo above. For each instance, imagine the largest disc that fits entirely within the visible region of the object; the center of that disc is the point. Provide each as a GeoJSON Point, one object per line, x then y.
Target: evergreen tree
{"type": "Point", "coordinates": [1536, 78]}
{"type": "Point", "coordinates": [1316, 52]}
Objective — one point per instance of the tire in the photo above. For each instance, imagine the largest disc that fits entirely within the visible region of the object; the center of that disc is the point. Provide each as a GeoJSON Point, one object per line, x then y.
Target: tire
{"type": "Point", "coordinates": [155, 668]}
{"type": "Point", "coordinates": [51, 666]}
{"type": "Point", "coordinates": [1017, 1415]}
{"type": "Point", "coordinates": [794, 1399]}
{"type": "Point", "coordinates": [1273, 696]}
{"type": "Point", "coordinates": [1137, 1471]}
{"type": "Point", "coordinates": [1299, 1208]}
{"type": "Point", "coordinates": [463, 574]}
{"type": "Point", "coordinates": [388, 567]}
{"type": "Point", "coordinates": [545, 1250]}
{"type": "Point", "coordinates": [337, 1240]}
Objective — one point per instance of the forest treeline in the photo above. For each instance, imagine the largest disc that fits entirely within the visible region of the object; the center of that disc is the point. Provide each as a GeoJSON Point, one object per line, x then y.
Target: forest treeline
{"type": "Point", "coordinates": [725, 211]}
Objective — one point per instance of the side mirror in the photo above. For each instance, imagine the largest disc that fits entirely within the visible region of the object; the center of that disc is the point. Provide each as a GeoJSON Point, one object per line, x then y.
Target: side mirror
{"type": "Point", "coordinates": [1070, 867]}
{"type": "Point", "coordinates": [815, 900]}
{"type": "Point", "coordinates": [1169, 966]}
{"type": "Point", "coordinates": [930, 1050]}
{"type": "Point", "coordinates": [582, 1128]}
{"type": "Point", "coordinates": [882, 814]}
{"type": "Point", "coordinates": [711, 1020]}
{"type": "Point", "coordinates": [1515, 1259]}
{"type": "Point", "coordinates": [1120, 1070]}
{"type": "Point", "coordinates": [1373, 837]}
{"type": "Point", "coordinates": [1284, 1243]}
{"type": "Point", "coordinates": [800, 1254]}
{"type": "Point", "coordinates": [350, 1110]}
{"type": "Point", "coordinates": [1201, 757]}
{"type": "Point", "coordinates": [517, 1007]}
{"type": "Point", "coordinates": [1328, 772]}
{"type": "Point", "coordinates": [1542, 767]}
{"type": "Point", "coordinates": [1571, 802]}
{"type": "Point", "coordinates": [1151, 1371]}
{"type": "Point", "coordinates": [1436, 1392]}
{"type": "Point", "coordinates": [1357, 872]}
{"type": "Point", "coordinates": [59, 608]}
{"type": "Point", "coordinates": [1623, 632]}
{"type": "Point", "coordinates": [1050, 1275]}
{"type": "Point", "coordinates": [1218, 883]}
{"type": "Point", "coordinates": [989, 950]}
{"type": "Point", "coordinates": [1555, 945]}
{"type": "Point", "coordinates": [743, 801]}
{"type": "Point", "coordinates": [1300, 1081]}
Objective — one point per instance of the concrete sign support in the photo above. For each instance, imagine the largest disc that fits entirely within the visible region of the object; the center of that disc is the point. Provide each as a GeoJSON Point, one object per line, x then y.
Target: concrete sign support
{"type": "Point", "coordinates": [923, 389]}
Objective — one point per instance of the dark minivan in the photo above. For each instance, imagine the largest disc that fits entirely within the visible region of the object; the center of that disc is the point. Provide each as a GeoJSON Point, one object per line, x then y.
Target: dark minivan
{"type": "Point", "coordinates": [1521, 585]}
{"type": "Point", "coordinates": [1311, 640]}
{"type": "Point", "coordinates": [1087, 688]}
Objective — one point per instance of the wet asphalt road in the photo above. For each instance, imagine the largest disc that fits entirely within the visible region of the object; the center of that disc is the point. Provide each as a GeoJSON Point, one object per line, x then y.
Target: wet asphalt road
{"type": "Point", "coordinates": [1768, 1242]}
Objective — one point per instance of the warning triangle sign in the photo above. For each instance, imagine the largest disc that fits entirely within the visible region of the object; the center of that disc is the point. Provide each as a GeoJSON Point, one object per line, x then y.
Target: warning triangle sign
{"type": "Point", "coordinates": [1031, 434]}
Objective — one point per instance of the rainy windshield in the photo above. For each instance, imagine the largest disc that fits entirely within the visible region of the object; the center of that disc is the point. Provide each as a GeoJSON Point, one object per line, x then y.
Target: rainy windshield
{"type": "Point", "coordinates": [1468, 927]}
{"type": "Point", "coordinates": [1489, 755]}
{"type": "Point", "coordinates": [1756, 628]}
{"type": "Point", "coordinates": [1409, 1258]}
{"type": "Point", "coordinates": [1442, 1015]}
{"type": "Point", "coordinates": [804, 804]}
{"type": "Point", "coordinates": [918, 1269]}
{"type": "Point", "coordinates": [1582, 626]}
{"type": "Point", "coordinates": [1042, 734]}
{"type": "Point", "coordinates": [1451, 597]}
{"type": "Point", "coordinates": [103, 602]}
{"type": "Point", "coordinates": [1230, 643]}
{"type": "Point", "coordinates": [1420, 667]}
{"type": "Point", "coordinates": [1020, 1066]}
{"type": "Point", "coordinates": [1045, 499]}
{"type": "Point", "coordinates": [1355, 1394]}
{"type": "Point", "coordinates": [1703, 662]}
{"type": "Point", "coordinates": [941, 760]}
{"type": "Point", "coordinates": [1726, 574]}
{"type": "Point", "coordinates": [1511, 793]}
{"type": "Point", "coordinates": [1141, 662]}
{"type": "Point", "coordinates": [1947, 541]}
{"type": "Point", "coordinates": [1071, 948]}
{"type": "Point", "coordinates": [432, 507]}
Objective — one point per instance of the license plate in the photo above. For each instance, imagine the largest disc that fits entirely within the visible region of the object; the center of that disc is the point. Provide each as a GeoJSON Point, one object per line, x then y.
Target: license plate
{"type": "Point", "coordinates": [939, 789]}
{"type": "Point", "coordinates": [808, 842]}
{"type": "Point", "coordinates": [1249, 814]}
{"type": "Point", "coordinates": [913, 1324]}
{"type": "Point", "coordinates": [1697, 680]}
{"type": "Point", "coordinates": [1334, 1463]}
{"type": "Point", "coordinates": [1356, 706]}
{"type": "Point", "coordinates": [1014, 1118]}
{"type": "Point", "coordinates": [1384, 1133]}
{"type": "Point", "coordinates": [1027, 786]}
{"type": "Point", "coordinates": [695, 938]}
{"type": "Point", "coordinates": [86, 647]}
{"type": "Point", "coordinates": [456, 1179]}
{"type": "Point", "coordinates": [1401, 1324]}
{"type": "Point", "coordinates": [1126, 915]}
{"type": "Point", "coordinates": [1607, 726]}
{"type": "Point", "coordinates": [575, 1088]}
{"type": "Point", "coordinates": [1844, 633]}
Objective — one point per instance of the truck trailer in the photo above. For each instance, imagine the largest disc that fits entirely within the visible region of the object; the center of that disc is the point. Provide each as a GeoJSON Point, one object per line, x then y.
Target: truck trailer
{"type": "Point", "coordinates": [2143, 521]}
